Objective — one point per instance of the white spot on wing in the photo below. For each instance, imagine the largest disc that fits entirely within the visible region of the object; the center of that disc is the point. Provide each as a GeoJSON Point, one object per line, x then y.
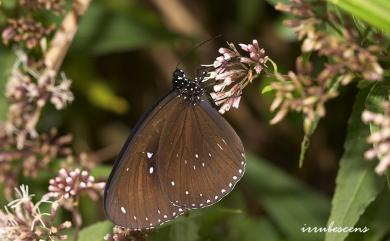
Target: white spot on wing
{"type": "Point", "coordinates": [234, 178]}
{"type": "Point", "coordinates": [173, 183]}
{"type": "Point", "coordinates": [223, 190]}
{"type": "Point", "coordinates": [240, 171]}
{"type": "Point", "coordinates": [202, 164]}
{"type": "Point", "coordinates": [123, 210]}
{"type": "Point", "coordinates": [220, 147]}
{"type": "Point", "coordinates": [135, 218]}
{"type": "Point", "coordinates": [208, 201]}
{"type": "Point", "coordinates": [187, 192]}
{"type": "Point", "coordinates": [149, 154]}
{"type": "Point", "coordinates": [196, 155]}
{"type": "Point", "coordinates": [151, 170]}
{"type": "Point", "coordinates": [209, 154]}
{"type": "Point", "coordinates": [230, 184]}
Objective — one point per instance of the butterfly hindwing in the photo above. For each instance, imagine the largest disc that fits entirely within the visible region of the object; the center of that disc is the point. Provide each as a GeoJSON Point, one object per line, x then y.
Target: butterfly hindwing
{"type": "Point", "coordinates": [207, 159]}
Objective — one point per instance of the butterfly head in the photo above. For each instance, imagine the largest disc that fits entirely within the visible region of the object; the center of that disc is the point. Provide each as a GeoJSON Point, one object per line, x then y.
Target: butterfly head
{"type": "Point", "coordinates": [190, 90]}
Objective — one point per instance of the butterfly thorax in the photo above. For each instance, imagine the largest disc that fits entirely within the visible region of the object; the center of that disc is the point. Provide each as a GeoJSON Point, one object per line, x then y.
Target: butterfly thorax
{"type": "Point", "coordinates": [188, 89]}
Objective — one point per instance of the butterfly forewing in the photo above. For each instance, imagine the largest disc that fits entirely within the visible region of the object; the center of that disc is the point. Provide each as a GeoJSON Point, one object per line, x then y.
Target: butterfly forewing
{"type": "Point", "coordinates": [203, 157]}
{"type": "Point", "coordinates": [134, 198]}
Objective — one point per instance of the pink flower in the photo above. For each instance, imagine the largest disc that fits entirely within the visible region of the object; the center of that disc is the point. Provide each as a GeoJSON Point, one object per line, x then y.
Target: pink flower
{"type": "Point", "coordinates": [233, 71]}
{"type": "Point", "coordinates": [256, 55]}
{"type": "Point", "coordinates": [68, 185]}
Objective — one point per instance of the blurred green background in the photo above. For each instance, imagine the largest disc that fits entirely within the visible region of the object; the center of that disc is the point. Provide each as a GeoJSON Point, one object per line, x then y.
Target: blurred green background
{"type": "Point", "coordinates": [121, 62]}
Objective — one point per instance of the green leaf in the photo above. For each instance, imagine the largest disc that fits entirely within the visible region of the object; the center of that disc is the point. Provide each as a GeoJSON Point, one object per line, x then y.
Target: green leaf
{"type": "Point", "coordinates": [289, 203]}
{"type": "Point", "coordinates": [95, 232]}
{"type": "Point", "coordinates": [282, 30]}
{"type": "Point", "coordinates": [187, 230]}
{"type": "Point", "coordinates": [9, 4]}
{"type": "Point", "coordinates": [266, 89]}
{"type": "Point", "coordinates": [88, 209]}
{"type": "Point", "coordinates": [104, 30]}
{"type": "Point", "coordinates": [306, 139]}
{"type": "Point", "coordinates": [101, 171]}
{"type": "Point", "coordinates": [374, 12]}
{"type": "Point", "coordinates": [207, 221]}
{"type": "Point", "coordinates": [249, 12]}
{"type": "Point", "coordinates": [375, 218]}
{"type": "Point", "coordinates": [69, 234]}
{"type": "Point", "coordinates": [357, 185]}
{"type": "Point", "coordinates": [99, 92]}
{"type": "Point", "coordinates": [103, 96]}
{"type": "Point", "coordinates": [249, 229]}
{"type": "Point", "coordinates": [274, 2]}
{"type": "Point", "coordinates": [6, 61]}
{"type": "Point", "coordinates": [122, 33]}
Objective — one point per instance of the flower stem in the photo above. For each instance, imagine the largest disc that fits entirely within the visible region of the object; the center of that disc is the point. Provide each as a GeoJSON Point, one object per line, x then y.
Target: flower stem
{"type": "Point", "coordinates": [62, 39]}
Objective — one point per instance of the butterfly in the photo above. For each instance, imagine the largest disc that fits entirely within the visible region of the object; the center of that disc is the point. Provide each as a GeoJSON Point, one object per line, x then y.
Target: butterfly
{"type": "Point", "coordinates": [181, 155]}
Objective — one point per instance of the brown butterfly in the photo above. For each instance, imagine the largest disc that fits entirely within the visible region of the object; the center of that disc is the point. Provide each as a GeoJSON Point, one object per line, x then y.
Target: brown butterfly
{"type": "Point", "coordinates": [181, 155]}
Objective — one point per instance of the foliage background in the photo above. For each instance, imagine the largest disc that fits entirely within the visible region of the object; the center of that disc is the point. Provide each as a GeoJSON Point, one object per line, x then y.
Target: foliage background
{"type": "Point", "coordinates": [121, 61]}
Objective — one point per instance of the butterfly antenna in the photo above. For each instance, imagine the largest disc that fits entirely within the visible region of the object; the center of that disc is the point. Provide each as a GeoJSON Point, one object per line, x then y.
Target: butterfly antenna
{"type": "Point", "coordinates": [198, 46]}
{"type": "Point", "coordinates": [225, 98]}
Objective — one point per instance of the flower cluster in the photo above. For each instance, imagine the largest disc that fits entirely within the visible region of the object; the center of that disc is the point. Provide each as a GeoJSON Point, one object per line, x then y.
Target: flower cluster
{"type": "Point", "coordinates": [380, 139]}
{"type": "Point", "coordinates": [118, 234]}
{"type": "Point", "coordinates": [232, 71]}
{"type": "Point", "coordinates": [56, 6]}
{"type": "Point", "coordinates": [28, 92]}
{"type": "Point", "coordinates": [349, 57]}
{"type": "Point", "coordinates": [301, 92]}
{"type": "Point", "coordinates": [26, 30]}
{"type": "Point", "coordinates": [29, 29]}
{"type": "Point", "coordinates": [22, 219]}
{"type": "Point", "coordinates": [23, 149]}
{"type": "Point", "coordinates": [299, 8]}
{"type": "Point", "coordinates": [124, 234]}
{"type": "Point", "coordinates": [307, 92]}
{"type": "Point", "coordinates": [67, 186]}
{"type": "Point", "coordinates": [35, 155]}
